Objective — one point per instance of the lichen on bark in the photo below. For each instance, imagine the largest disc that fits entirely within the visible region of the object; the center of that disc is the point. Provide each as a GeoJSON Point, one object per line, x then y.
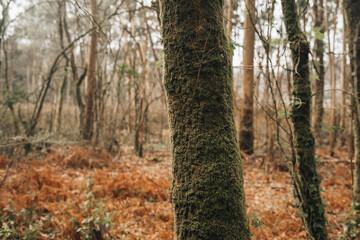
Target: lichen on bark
{"type": "Point", "coordinates": [207, 189]}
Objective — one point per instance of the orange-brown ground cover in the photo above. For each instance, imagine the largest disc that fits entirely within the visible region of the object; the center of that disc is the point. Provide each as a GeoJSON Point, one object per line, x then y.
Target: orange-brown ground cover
{"type": "Point", "coordinates": [51, 194]}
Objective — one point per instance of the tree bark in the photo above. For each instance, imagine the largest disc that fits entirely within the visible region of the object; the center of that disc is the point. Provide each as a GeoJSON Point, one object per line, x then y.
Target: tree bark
{"type": "Point", "coordinates": [88, 127]}
{"type": "Point", "coordinates": [61, 96]}
{"type": "Point", "coordinates": [352, 8]}
{"type": "Point", "coordinates": [311, 205]}
{"type": "Point", "coordinates": [62, 88]}
{"type": "Point", "coordinates": [207, 188]}
{"type": "Point", "coordinates": [319, 57]}
{"type": "Point", "coordinates": [332, 137]}
{"type": "Point", "coordinates": [229, 18]}
{"type": "Point", "coordinates": [344, 81]}
{"type": "Point", "coordinates": [246, 135]}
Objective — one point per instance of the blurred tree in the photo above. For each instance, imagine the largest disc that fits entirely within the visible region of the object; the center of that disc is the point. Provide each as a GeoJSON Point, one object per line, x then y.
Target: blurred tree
{"type": "Point", "coordinates": [10, 95]}
{"type": "Point", "coordinates": [318, 10]}
{"type": "Point", "coordinates": [344, 80]}
{"type": "Point", "coordinates": [207, 189]}
{"type": "Point", "coordinates": [352, 8]}
{"type": "Point", "coordinates": [88, 127]}
{"type": "Point", "coordinates": [332, 66]}
{"type": "Point", "coordinates": [311, 207]}
{"type": "Point", "coordinates": [63, 83]}
{"type": "Point", "coordinates": [246, 135]}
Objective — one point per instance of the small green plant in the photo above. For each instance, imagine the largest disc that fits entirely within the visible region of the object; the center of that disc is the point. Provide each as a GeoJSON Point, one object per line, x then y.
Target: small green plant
{"type": "Point", "coordinates": [352, 226]}
{"type": "Point", "coordinates": [97, 219]}
{"type": "Point", "coordinates": [17, 225]}
{"type": "Point", "coordinates": [255, 221]}
{"type": "Point", "coordinates": [233, 45]}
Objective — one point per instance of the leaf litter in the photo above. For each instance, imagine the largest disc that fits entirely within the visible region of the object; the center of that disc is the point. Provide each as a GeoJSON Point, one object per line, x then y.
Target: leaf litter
{"type": "Point", "coordinates": [49, 193]}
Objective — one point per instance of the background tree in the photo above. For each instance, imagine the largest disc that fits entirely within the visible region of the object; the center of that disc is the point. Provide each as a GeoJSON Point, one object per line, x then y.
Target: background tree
{"type": "Point", "coordinates": [318, 10]}
{"type": "Point", "coordinates": [310, 204]}
{"type": "Point", "coordinates": [246, 135]}
{"type": "Point", "coordinates": [207, 187]}
{"type": "Point", "coordinates": [332, 66]}
{"type": "Point", "coordinates": [352, 8]}
{"type": "Point", "coordinates": [344, 80]}
{"type": "Point", "coordinates": [90, 78]}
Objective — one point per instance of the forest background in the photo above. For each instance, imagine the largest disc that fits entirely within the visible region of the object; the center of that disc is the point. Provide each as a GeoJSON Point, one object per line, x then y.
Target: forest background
{"type": "Point", "coordinates": [74, 166]}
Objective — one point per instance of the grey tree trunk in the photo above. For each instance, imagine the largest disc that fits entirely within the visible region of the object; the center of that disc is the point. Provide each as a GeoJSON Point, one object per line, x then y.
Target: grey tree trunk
{"type": "Point", "coordinates": [319, 57]}
{"type": "Point", "coordinates": [207, 189]}
{"type": "Point", "coordinates": [311, 205]}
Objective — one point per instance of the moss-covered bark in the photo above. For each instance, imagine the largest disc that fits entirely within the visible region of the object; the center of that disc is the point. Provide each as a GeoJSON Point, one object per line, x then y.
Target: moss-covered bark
{"type": "Point", "coordinates": [208, 194]}
{"type": "Point", "coordinates": [319, 56]}
{"type": "Point", "coordinates": [311, 204]}
{"type": "Point", "coordinates": [352, 8]}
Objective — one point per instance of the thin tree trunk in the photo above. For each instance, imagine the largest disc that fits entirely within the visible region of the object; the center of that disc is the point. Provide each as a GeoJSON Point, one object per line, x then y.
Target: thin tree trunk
{"type": "Point", "coordinates": [352, 8]}
{"type": "Point", "coordinates": [246, 135]}
{"type": "Point", "coordinates": [9, 92]}
{"type": "Point", "coordinates": [229, 19]}
{"type": "Point", "coordinates": [319, 57]}
{"type": "Point", "coordinates": [61, 97]}
{"type": "Point", "coordinates": [311, 205]}
{"type": "Point", "coordinates": [62, 88]}
{"type": "Point", "coordinates": [344, 81]}
{"type": "Point", "coordinates": [207, 189]}
{"type": "Point", "coordinates": [88, 127]}
{"type": "Point", "coordinates": [76, 80]}
{"type": "Point", "coordinates": [332, 137]}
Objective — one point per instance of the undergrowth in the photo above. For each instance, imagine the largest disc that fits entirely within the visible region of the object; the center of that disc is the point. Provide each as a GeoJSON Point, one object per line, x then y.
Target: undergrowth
{"type": "Point", "coordinates": [18, 225]}
{"type": "Point", "coordinates": [97, 221]}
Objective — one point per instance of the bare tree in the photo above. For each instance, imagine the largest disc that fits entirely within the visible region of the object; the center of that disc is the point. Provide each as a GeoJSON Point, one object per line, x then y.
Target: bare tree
{"type": "Point", "coordinates": [246, 135]}
{"type": "Point", "coordinates": [88, 127]}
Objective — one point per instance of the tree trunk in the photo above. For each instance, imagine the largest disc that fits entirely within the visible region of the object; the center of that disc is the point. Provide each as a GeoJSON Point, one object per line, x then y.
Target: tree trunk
{"type": "Point", "coordinates": [61, 96]}
{"type": "Point", "coordinates": [207, 189]}
{"type": "Point", "coordinates": [311, 205]}
{"type": "Point", "coordinates": [332, 137]}
{"type": "Point", "coordinates": [88, 127]}
{"type": "Point", "coordinates": [319, 57]}
{"type": "Point", "coordinates": [62, 88]}
{"type": "Point", "coordinates": [246, 135]}
{"type": "Point", "coordinates": [229, 19]}
{"type": "Point", "coordinates": [344, 82]}
{"type": "Point", "coordinates": [352, 8]}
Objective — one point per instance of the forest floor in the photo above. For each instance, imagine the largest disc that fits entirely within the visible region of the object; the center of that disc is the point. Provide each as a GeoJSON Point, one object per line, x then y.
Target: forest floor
{"type": "Point", "coordinates": [74, 191]}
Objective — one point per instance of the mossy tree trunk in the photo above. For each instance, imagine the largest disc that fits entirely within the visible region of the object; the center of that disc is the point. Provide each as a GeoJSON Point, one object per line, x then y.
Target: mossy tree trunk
{"type": "Point", "coordinates": [311, 204]}
{"type": "Point", "coordinates": [207, 189]}
{"type": "Point", "coordinates": [319, 57]}
{"type": "Point", "coordinates": [246, 134]}
{"type": "Point", "coordinates": [352, 8]}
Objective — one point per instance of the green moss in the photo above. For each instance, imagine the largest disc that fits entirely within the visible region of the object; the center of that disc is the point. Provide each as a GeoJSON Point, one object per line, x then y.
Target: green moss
{"type": "Point", "coordinates": [207, 189]}
{"type": "Point", "coordinates": [310, 200]}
